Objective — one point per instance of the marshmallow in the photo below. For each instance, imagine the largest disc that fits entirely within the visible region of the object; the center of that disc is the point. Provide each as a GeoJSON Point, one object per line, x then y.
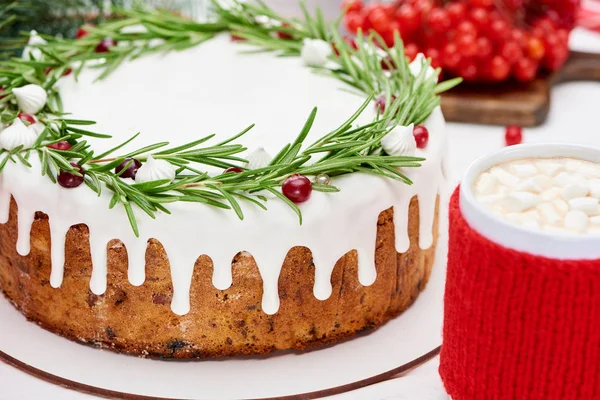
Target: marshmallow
{"type": "Point", "coordinates": [561, 205]}
{"type": "Point", "coordinates": [549, 214]}
{"type": "Point", "coordinates": [588, 205]}
{"type": "Point", "coordinates": [595, 188]}
{"type": "Point", "coordinates": [563, 179]}
{"type": "Point", "coordinates": [551, 194]}
{"type": "Point", "coordinates": [576, 221]}
{"type": "Point", "coordinates": [519, 201]}
{"type": "Point", "coordinates": [523, 170]}
{"type": "Point", "coordinates": [487, 184]}
{"type": "Point", "coordinates": [549, 168]}
{"type": "Point", "coordinates": [504, 177]}
{"type": "Point", "coordinates": [573, 190]}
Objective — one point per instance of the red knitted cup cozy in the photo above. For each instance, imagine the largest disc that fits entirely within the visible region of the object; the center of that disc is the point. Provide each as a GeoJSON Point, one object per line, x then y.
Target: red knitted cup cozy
{"type": "Point", "coordinates": [518, 326]}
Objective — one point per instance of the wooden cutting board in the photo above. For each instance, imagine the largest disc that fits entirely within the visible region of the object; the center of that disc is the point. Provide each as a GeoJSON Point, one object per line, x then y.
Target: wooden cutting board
{"type": "Point", "coordinates": [514, 103]}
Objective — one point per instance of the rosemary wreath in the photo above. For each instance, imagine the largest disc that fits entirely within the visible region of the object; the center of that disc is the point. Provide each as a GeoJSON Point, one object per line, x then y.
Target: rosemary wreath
{"type": "Point", "coordinates": [369, 67]}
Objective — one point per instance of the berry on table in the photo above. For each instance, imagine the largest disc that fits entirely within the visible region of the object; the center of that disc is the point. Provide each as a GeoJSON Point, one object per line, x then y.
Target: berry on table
{"type": "Point", "coordinates": [421, 135]}
{"type": "Point", "coordinates": [128, 168]}
{"type": "Point", "coordinates": [297, 188]}
{"type": "Point", "coordinates": [352, 6]}
{"type": "Point", "coordinates": [513, 135]}
{"type": "Point", "coordinates": [70, 180]}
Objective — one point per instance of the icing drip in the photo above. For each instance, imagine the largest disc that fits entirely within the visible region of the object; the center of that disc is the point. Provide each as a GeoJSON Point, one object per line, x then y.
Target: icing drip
{"type": "Point", "coordinates": [334, 224]}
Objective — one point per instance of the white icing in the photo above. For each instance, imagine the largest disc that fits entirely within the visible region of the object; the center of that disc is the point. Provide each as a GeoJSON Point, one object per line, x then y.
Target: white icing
{"type": "Point", "coordinates": [16, 135]}
{"type": "Point", "coordinates": [259, 158]}
{"type": "Point", "coordinates": [417, 65]}
{"type": "Point", "coordinates": [275, 93]}
{"type": "Point", "coordinates": [155, 170]}
{"type": "Point", "coordinates": [400, 141]}
{"type": "Point", "coordinates": [31, 98]}
{"type": "Point", "coordinates": [552, 195]}
{"type": "Point", "coordinates": [315, 52]}
{"type": "Point", "coordinates": [30, 49]}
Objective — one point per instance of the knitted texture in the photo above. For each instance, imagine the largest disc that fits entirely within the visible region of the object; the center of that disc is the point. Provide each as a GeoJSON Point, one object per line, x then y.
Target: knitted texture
{"type": "Point", "coordinates": [518, 326]}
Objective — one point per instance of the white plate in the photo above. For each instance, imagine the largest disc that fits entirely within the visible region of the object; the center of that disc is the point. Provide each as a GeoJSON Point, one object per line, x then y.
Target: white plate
{"type": "Point", "coordinates": [400, 341]}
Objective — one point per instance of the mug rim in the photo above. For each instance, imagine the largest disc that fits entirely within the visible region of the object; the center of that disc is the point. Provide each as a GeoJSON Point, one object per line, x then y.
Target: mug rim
{"type": "Point", "coordinates": [568, 246]}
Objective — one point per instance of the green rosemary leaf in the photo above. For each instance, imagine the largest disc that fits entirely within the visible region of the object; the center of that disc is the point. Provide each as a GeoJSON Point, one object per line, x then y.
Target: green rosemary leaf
{"type": "Point", "coordinates": [87, 133]}
{"type": "Point", "coordinates": [290, 203]}
{"type": "Point", "coordinates": [131, 217]}
{"type": "Point", "coordinates": [117, 147]}
{"type": "Point", "coordinates": [325, 188]}
{"type": "Point", "coordinates": [232, 201]}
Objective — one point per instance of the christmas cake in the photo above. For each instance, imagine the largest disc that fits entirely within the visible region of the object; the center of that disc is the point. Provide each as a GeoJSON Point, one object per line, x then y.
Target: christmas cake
{"type": "Point", "coordinates": [204, 236]}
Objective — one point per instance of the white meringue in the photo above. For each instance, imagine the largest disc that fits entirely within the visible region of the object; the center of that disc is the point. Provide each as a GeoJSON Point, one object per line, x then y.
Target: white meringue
{"type": "Point", "coordinates": [17, 135]}
{"type": "Point", "coordinates": [30, 49]}
{"type": "Point", "coordinates": [31, 98]}
{"type": "Point", "coordinates": [155, 170]}
{"type": "Point", "coordinates": [259, 158]}
{"type": "Point", "coordinates": [400, 141]}
{"type": "Point", "coordinates": [315, 52]}
{"type": "Point", "coordinates": [417, 65]}
{"type": "Point", "coordinates": [38, 128]}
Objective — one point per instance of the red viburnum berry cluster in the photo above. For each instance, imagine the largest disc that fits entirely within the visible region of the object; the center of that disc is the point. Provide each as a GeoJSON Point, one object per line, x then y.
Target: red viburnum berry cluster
{"type": "Point", "coordinates": [479, 40]}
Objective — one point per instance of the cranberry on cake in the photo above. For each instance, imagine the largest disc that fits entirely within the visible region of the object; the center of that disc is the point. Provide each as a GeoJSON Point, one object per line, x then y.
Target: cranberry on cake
{"type": "Point", "coordinates": [182, 194]}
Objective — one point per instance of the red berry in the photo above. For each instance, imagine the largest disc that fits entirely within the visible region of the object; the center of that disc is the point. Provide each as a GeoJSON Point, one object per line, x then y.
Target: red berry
{"type": "Point", "coordinates": [284, 35]}
{"type": "Point", "coordinates": [354, 22]}
{"type": "Point", "coordinates": [499, 69]}
{"type": "Point", "coordinates": [480, 17]}
{"type": "Point", "coordinates": [129, 167]}
{"type": "Point", "coordinates": [467, 46]}
{"type": "Point", "coordinates": [67, 72]}
{"type": "Point", "coordinates": [70, 180]}
{"type": "Point", "coordinates": [457, 12]}
{"type": "Point", "coordinates": [466, 28]}
{"type": "Point", "coordinates": [482, 3]}
{"type": "Point", "coordinates": [513, 135]}
{"type": "Point", "coordinates": [234, 170]}
{"type": "Point", "coordinates": [352, 6]}
{"type": "Point", "coordinates": [410, 51]}
{"type": "Point", "coordinates": [62, 146]}
{"type": "Point", "coordinates": [409, 19]}
{"type": "Point", "coordinates": [421, 135]}
{"type": "Point", "coordinates": [236, 38]}
{"type": "Point", "coordinates": [511, 51]}
{"type": "Point", "coordinates": [380, 103]}
{"type": "Point", "coordinates": [435, 57]}
{"type": "Point", "coordinates": [297, 188]}
{"type": "Point", "coordinates": [485, 48]}
{"type": "Point", "coordinates": [82, 32]}
{"type": "Point", "coordinates": [28, 119]}
{"type": "Point", "coordinates": [525, 70]}
{"type": "Point", "coordinates": [439, 20]}
{"type": "Point", "coordinates": [388, 35]}
{"type": "Point", "coordinates": [468, 69]}
{"type": "Point", "coordinates": [379, 20]}
{"type": "Point", "coordinates": [105, 45]}
{"type": "Point", "coordinates": [451, 57]}
{"type": "Point", "coordinates": [499, 29]}
{"type": "Point", "coordinates": [535, 48]}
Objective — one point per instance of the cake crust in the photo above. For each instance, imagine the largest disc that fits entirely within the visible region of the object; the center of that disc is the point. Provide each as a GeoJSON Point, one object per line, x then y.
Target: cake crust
{"type": "Point", "coordinates": [138, 320]}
